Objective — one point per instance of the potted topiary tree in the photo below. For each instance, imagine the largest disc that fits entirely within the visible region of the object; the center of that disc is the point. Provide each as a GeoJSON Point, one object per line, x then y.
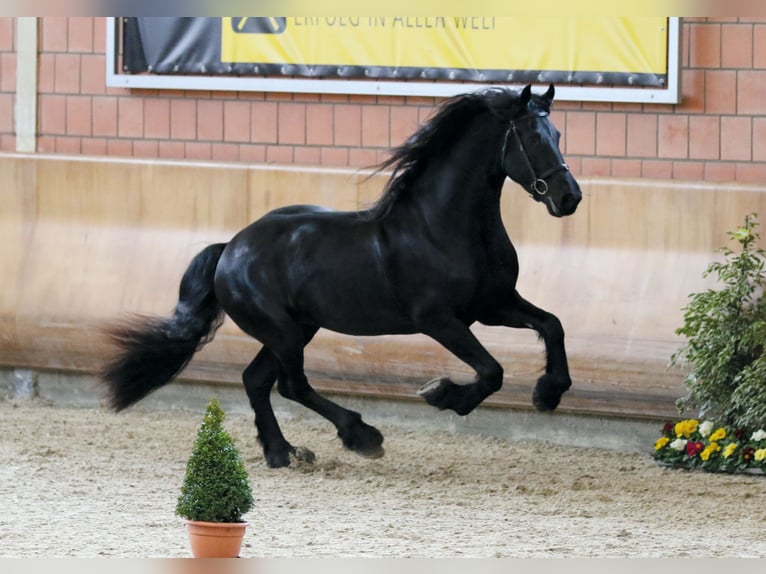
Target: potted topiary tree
{"type": "Point", "coordinates": [216, 491]}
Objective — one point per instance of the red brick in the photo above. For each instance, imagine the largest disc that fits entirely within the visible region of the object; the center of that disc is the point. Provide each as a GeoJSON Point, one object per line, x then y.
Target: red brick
{"type": "Point", "coordinates": [120, 148]}
{"type": "Point", "coordinates": [99, 35]}
{"type": "Point", "coordinates": [198, 151]}
{"type": "Point", "coordinates": [759, 46]}
{"type": "Point", "coordinates": [347, 127]}
{"type": "Point", "coordinates": [7, 72]}
{"type": "Point", "coordinates": [688, 170]}
{"type": "Point", "coordinates": [580, 133]}
{"type": "Point", "coordinates": [319, 122]}
{"type": "Point", "coordinates": [692, 91]}
{"type": "Point", "coordinates": [263, 122]}
{"type": "Point", "coordinates": [759, 139]}
{"type": "Point", "coordinates": [642, 135]}
{"type": "Point", "coordinates": [673, 136]}
{"type": "Point", "coordinates": [7, 142]}
{"type": "Point", "coordinates": [46, 144]}
{"type": "Point", "coordinates": [171, 150]}
{"type": "Point", "coordinates": [751, 172]}
{"type": "Point", "coordinates": [52, 114]}
{"type": "Point", "coordinates": [252, 153]}
{"type": "Point", "coordinates": [626, 168]}
{"type": "Point", "coordinates": [93, 75]}
{"type": "Point", "coordinates": [362, 158]}
{"type": "Point", "coordinates": [78, 116]}
{"type": "Point", "coordinates": [104, 116]}
{"type": "Point", "coordinates": [610, 134]}
{"type": "Point", "coordinates": [236, 121]}
{"type": "Point", "coordinates": [46, 73]}
{"type": "Point", "coordinates": [7, 32]}
{"type": "Point", "coordinates": [53, 33]}
{"type": "Point", "coordinates": [736, 138]}
{"type": "Point", "coordinates": [279, 154]}
{"type": "Point", "coordinates": [210, 120]}
{"type": "Point", "coordinates": [705, 46]}
{"type": "Point", "coordinates": [751, 87]}
{"type": "Point", "coordinates": [657, 169]}
{"type": "Point", "coordinates": [130, 117]}
{"type": "Point", "coordinates": [183, 119]}
{"type": "Point", "coordinates": [720, 171]}
{"type": "Point", "coordinates": [68, 145]}
{"type": "Point", "coordinates": [6, 113]}
{"type": "Point", "coordinates": [225, 152]}
{"type": "Point", "coordinates": [67, 74]}
{"type": "Point", "coordinates": [157, 118]}
{"type": "Point", "coordinates": [596, 167]}
{"type": "Point", "coordinates": [80, 34]}
{"type": "Point", "coordinates": [736, 46]}
{"type": "Point", "coordinates": [720, 92]}
{"type": "Point", "coordinates": [94, 146]}
{"type": "Point", "coordinates": [307, 155]}
{"type": "Point", "coordinates": [147, 149]}
{"type": "Point", "coordinates": [334, 156]}
{"type": "Point", "coordinates": [375, 126]}
{"type": "Point", "coordinates": [704, 137]}
{"type": "Point", "coordinates": [291, 123]}
{"type": "Point", "coordinates": [404, 123]}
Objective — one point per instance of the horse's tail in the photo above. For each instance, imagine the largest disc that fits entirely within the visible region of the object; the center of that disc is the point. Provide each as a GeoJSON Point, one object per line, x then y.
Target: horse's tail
{"type": "Point", "coordinates": [152, 350]}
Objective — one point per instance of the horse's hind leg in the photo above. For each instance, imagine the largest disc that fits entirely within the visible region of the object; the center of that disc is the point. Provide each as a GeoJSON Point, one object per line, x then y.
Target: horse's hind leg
{"type": "Point", "coordinates": [355, 434]}
{"type": "Point", "coordinates": [556, 380]}
{"type": "Point", "coordinates": [259, 378]}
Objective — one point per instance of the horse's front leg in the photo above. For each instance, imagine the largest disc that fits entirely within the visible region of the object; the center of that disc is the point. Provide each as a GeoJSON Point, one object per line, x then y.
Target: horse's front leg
{"type": "Point", "coordinates": [456, 337]}
{"type": "Point", "coordinates": [520, 313]}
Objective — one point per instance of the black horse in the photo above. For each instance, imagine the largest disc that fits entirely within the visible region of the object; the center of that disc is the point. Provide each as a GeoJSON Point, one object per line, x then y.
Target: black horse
{"type": "Point", "coordinates": [431, 256]}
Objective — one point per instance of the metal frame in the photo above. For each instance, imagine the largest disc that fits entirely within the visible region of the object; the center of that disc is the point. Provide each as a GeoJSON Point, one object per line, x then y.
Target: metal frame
{"type": "Point", "coordinates": [670, 94]}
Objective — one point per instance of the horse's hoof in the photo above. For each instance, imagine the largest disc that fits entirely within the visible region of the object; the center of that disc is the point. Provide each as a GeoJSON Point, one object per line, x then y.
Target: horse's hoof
{"type": "Point", "coordinates": [434, 387]}
{"type": "Point", "coordinates": [302, 454]}
{"type": "Point", "coordinates": [372, 453]}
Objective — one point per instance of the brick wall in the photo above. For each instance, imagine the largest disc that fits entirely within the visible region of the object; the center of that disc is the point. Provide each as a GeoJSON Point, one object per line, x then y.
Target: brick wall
{"type": "Point", "coordinates": [718, 132]}
{"type": "Point", "coordinates": [7, 82]}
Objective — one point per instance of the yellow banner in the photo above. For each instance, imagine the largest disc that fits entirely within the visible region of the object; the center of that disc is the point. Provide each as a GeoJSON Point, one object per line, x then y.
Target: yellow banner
{"type": "Point", "coordinates": [576, 49]}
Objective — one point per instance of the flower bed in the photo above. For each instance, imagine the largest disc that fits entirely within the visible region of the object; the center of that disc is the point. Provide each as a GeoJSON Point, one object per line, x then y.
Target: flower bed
{"type": "Point", "coordinates": [695, 444]}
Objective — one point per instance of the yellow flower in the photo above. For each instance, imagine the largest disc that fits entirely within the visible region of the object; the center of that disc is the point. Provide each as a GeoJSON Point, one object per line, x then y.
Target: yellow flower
{"type": "Point", "coordinates": [661, 442]}
{"type": "Point", "coordinates": [710, 449]}
{"type": "Point", "coordinates": [718, 434]}
{"type": "Point", "coordinates": [760, 454]}
{"type": "Point", "coordinates": [686, 427]}
{"type": "Point", "coordinates": [729, 450]}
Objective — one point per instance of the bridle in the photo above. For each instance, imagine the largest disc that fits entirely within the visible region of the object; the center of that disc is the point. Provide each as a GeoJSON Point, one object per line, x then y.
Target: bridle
{"type": "Point", "coordinates": [539, 184]}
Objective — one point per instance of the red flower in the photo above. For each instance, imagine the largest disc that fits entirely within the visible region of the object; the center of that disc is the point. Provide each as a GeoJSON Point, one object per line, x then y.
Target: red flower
{"type": "Point", "coordinates": [748, 452]}
{"type": "Point", "coordinates": [668, 428]}
{"type": "Point", "coordinates": [740, 434]}
{"type": "Point", "coordinates": [694, 448]}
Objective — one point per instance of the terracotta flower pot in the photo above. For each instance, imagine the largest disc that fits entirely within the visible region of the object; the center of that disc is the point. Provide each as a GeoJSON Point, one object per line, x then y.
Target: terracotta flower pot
{"type": "Point", "coordinates": [216, 539]}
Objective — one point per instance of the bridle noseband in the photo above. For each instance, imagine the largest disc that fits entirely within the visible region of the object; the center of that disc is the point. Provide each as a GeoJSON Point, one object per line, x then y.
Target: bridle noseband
{"type": "Point", "coordinates": [539, 184]}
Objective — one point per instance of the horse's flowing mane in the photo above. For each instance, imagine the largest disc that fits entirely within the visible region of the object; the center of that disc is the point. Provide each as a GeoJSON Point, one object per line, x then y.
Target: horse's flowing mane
{"type": "Point", "coordinates": [434, 137]}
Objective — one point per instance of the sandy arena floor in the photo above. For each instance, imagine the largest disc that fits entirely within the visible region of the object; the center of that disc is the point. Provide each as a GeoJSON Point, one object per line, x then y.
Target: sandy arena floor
{"type": "Point", "coordinates": [87, 483]}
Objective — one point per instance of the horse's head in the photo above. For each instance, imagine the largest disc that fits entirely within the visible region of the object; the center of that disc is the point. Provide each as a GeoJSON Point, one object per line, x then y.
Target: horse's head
{"type": "Point", "coordinates": [531, 155]}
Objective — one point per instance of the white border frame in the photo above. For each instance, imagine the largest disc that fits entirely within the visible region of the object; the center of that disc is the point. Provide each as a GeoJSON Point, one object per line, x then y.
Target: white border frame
{"type": "Point", "coordinates": [670, 94]}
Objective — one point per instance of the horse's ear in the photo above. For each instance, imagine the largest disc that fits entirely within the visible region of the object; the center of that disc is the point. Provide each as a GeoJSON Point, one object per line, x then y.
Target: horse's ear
{"type": "Point", "coordinates": [526, 95]}
{"type": "Point", "coordinates": [548, 96]}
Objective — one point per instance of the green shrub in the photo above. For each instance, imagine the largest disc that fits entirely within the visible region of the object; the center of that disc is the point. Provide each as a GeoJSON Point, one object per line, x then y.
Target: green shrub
{"type": "Point", "coordinates": [725, 331]}
{"type": "Point", "coordinates": [216, 487]}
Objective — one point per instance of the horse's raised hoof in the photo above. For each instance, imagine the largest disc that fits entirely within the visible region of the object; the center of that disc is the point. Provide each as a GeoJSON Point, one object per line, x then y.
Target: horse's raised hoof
{"type": "Point", "coordinates": [436, 391]}
{"type": "Point", "coordinates": [363, 439]}
{"type": "Point", "coordinates": [443, 394]}
{"type": "Point", "coordinates": [547, 393]}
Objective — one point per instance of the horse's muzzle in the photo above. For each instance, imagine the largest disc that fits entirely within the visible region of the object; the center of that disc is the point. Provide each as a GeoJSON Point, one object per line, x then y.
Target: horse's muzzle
{"type": "Point", "coordinates": [569, 203]}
